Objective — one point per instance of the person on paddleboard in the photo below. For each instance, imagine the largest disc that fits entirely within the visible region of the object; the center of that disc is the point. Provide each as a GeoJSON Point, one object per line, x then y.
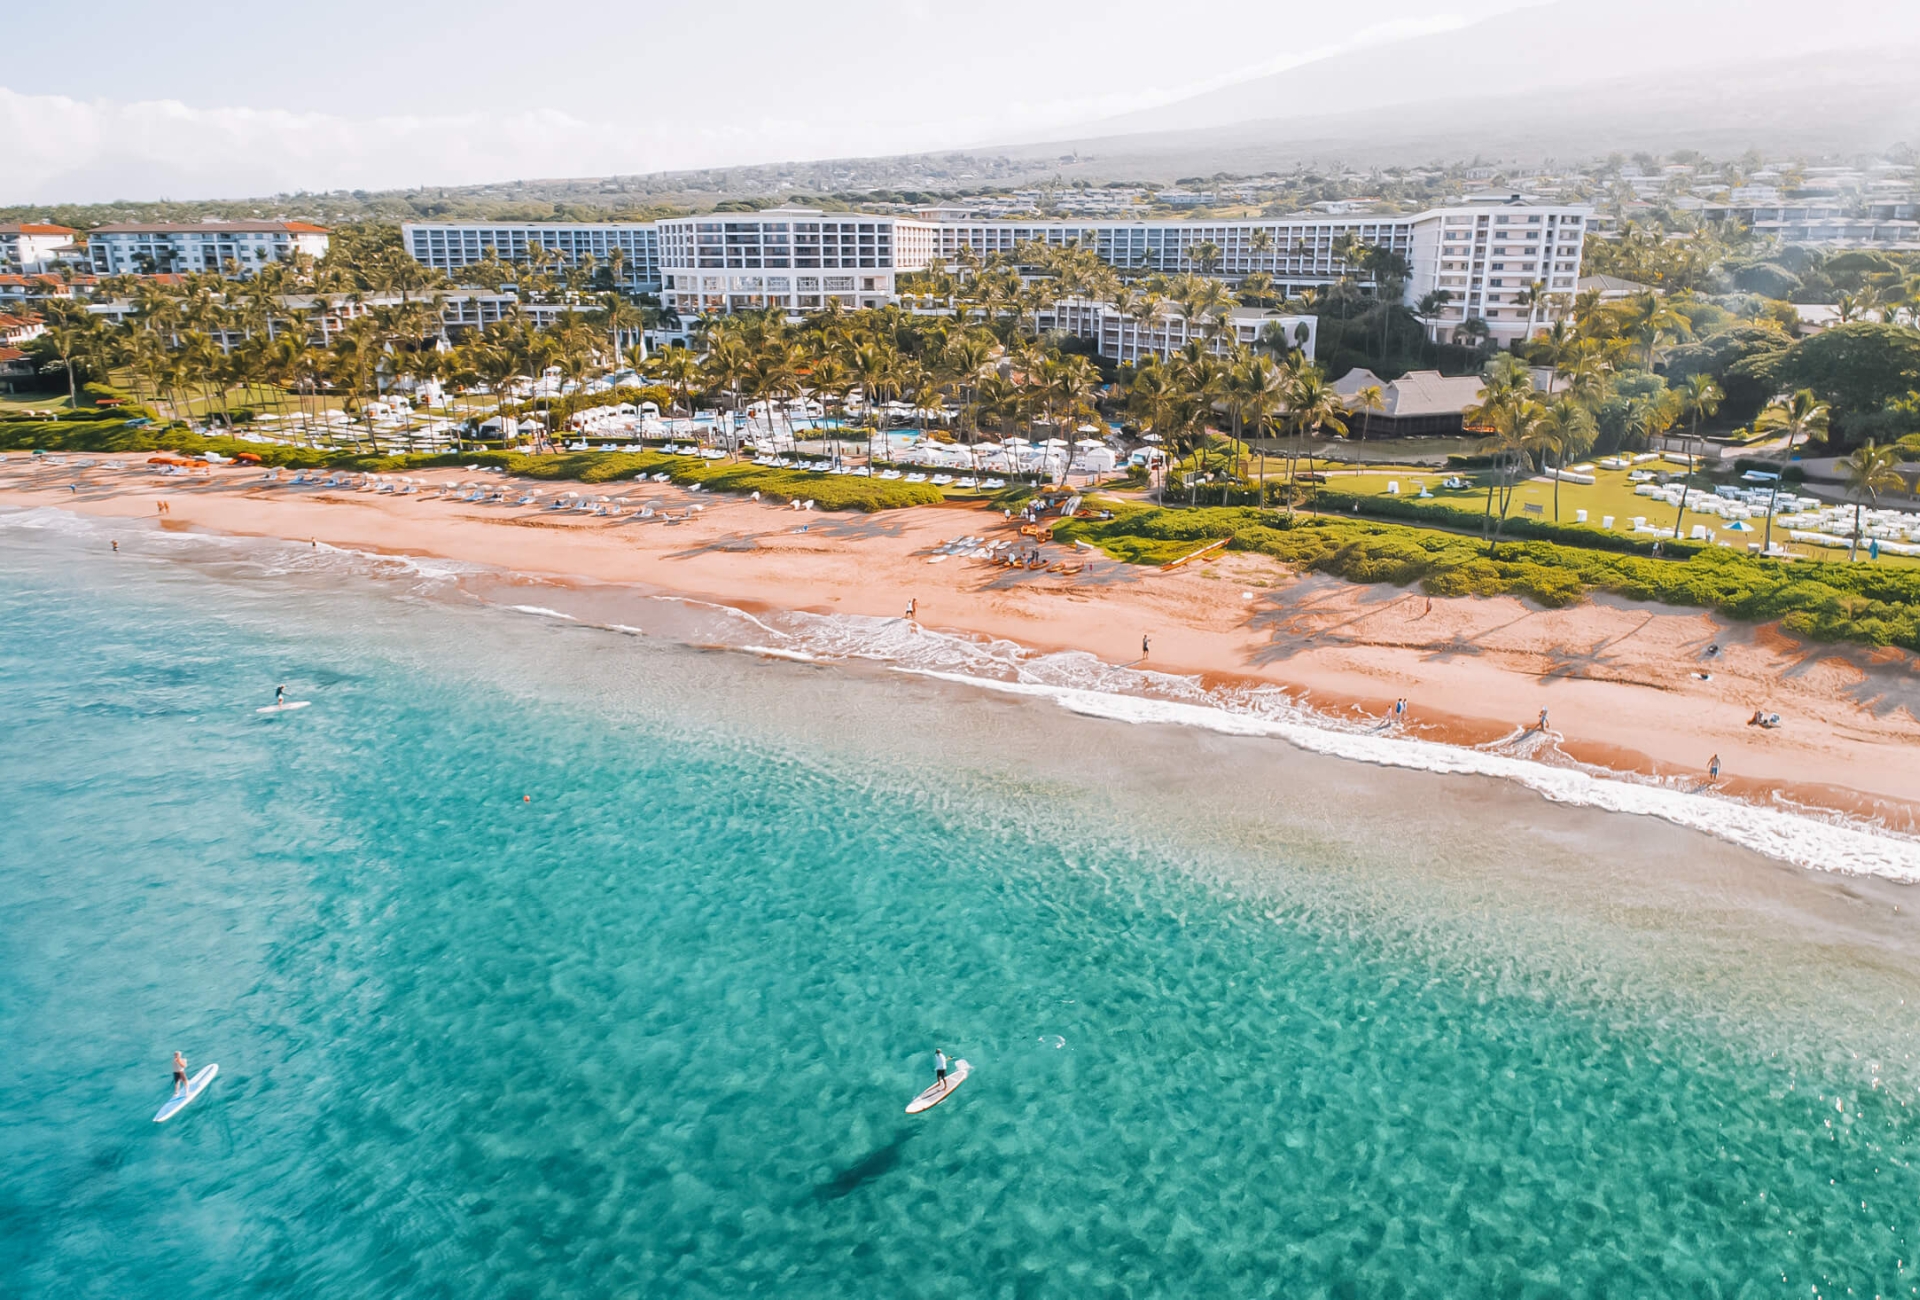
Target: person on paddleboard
{"type": "Point", "coordinates": [179, 1074]}
{"type": "Point", "coordinates": [939, 1066]}
{"type": "Point", "coordinates": [279, 696]}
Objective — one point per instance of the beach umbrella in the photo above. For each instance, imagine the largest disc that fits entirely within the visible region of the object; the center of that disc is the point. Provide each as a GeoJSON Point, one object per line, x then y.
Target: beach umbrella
{"type": "Point", "coordinates": [1089, 442]}
{"type": "Point", "coordinates": [1152, 437]}
{"type": "Point", "coordinates": [1055, 442]}
{"type": "Point", "coordinates": [1086, 428]}
{"type": "Point", "coordinates": [1739, 526]}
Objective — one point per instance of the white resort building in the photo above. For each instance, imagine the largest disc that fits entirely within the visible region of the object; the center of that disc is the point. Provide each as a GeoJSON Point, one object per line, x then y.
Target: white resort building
{"type": "Point", "coordinates": [27, 248]}
{"type": "Point", "coordinates": [219, 247]}
{"type": "Point", "coordinates": [1487, 254]}
{"type": "Point", "coordinates": [450, 245]}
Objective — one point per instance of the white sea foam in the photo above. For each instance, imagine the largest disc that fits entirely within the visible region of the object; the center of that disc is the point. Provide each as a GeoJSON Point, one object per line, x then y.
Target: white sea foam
{"type": "Point", "coordinates": [542, 611]}
{"type": "Point", "coordinates": [797, 656]}
{"type": "Point", "coordinates": [1802, 840]}
{"type": "Point", "coordinates": [1089, 686]}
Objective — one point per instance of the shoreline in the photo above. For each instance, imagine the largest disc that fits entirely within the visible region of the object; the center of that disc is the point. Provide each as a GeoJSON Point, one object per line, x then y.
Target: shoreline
{"type": "Point", "coordinates": [1629, 689]}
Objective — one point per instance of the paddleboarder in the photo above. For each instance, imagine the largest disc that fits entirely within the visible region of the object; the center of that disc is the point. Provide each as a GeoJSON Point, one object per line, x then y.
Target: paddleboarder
{"type": "Point", "coordinates": [939, 1066]}
{"type": "Point", "coordinates": [179, 1074]}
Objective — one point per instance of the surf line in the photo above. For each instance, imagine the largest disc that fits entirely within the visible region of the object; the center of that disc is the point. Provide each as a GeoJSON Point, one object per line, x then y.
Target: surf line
{"type": "Point", "coordinates": [1803, 841]}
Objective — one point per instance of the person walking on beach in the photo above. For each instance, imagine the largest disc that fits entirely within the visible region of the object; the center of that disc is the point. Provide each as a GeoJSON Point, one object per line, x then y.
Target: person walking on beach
{"type": "Point", "coordinates": [1543, 721]}
{"type": "Point", "coordinates": [939, 1066]}
{"type": "Point", "coordinates": [179, 1074]}
{"type": "Point", "coordinates": [1713, 768]}
{"type": "Point", "coordinates": [1144, 646]}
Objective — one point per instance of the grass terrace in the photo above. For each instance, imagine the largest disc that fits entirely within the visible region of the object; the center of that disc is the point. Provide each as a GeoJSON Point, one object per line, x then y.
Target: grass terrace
{"type": "Point", "coordinates": [1872, 604]}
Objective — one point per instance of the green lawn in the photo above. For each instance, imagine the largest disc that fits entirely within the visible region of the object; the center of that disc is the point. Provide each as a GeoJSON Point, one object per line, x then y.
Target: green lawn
{"type": "Point", "coordinates": [1611, 494]}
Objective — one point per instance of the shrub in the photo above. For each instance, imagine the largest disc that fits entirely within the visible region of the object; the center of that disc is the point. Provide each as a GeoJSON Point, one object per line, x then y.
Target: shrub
{"type": "Point", "coordinates": [113, 433]}
{"type": "Point", "coordinates": [1865, 603]}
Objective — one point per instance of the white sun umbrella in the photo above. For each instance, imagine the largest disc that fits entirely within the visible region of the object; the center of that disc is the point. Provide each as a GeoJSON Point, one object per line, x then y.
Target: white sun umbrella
{"type": "Point", "coordinates": [1087, 428]}
{"type": "Point", "coordinates": [1056, 442]}
{"type": "Point", "coordinates": [1089, 442]}
{"type": "Point", "coordinates": [1151, 437]}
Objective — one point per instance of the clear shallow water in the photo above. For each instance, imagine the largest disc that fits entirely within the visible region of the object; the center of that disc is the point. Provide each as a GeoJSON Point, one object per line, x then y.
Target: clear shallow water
{"type": "Point", "coordinates": [650, 1033]}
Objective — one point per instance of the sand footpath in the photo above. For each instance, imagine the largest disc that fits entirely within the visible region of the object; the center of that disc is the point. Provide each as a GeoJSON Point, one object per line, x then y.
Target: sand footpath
{"type": "Point", "coordinates": [1628, 687]}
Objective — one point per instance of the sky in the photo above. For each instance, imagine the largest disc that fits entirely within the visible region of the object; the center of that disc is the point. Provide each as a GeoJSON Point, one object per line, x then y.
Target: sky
{"type": "Point", "coordinates": [244, 101]}
{"type": "Point", "coordinates": [181, 104]}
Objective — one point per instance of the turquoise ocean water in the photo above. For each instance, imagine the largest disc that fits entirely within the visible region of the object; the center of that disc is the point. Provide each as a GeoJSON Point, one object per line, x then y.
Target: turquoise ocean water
{"type": "Point", "coordinates": [546, 960]}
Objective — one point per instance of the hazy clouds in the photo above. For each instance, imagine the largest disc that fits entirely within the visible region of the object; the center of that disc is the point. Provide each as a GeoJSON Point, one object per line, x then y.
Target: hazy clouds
{"type": "Point", "coordinates": [364, 95]}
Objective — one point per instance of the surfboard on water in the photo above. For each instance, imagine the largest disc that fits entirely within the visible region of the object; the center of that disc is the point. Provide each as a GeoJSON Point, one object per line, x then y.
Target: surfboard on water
{"type": "Point", "coordinates": [942, 1090]}
{"type": "Point", "coordinates": [283, 708]}
{"type": "Point", "coordinates": [177, 1103]}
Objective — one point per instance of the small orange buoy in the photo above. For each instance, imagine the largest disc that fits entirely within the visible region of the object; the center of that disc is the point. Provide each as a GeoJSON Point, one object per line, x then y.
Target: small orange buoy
{"type": "Point", "coordinates": [526, 798]}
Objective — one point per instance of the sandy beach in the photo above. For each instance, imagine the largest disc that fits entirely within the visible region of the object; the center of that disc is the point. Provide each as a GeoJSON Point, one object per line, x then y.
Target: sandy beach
{"type": "Point", "coordinates": [1627, 687]}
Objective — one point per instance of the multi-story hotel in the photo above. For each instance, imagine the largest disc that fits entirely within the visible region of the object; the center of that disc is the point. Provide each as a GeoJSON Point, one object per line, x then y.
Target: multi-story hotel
{"type": "Point", "coordinates": [220, 247]}
{"type": "Point", "coordinates": [795, 258]}
{"type": "Point", "coordinates": [1486, 255]}
{"type": "Point", "coordinates": [450, 245]}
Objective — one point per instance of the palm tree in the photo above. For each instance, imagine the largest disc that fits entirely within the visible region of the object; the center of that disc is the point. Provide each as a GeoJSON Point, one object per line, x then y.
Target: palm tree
{"type": "Point", "coordinates": [1205, 255]}
{"type": "Point", "coordinates": [1519, 431]}
{"type": "Point", "coordinates": [1312, 405]}
{"type": "Point", "coordinates": [1567, 429]}
{"type": "Point", "coordinates": [680, 368]}
{"type": "Point", "coordinates": [1698, 397]}
{"type": "Point", "coordinates": [1653, 321]}
{"type": "Point", "coordinates": [1368, 400]}
{"type": "Point", "coordinates": [1801, 415]}
{"type": "Point", "coordinates": [1870, 471]}
{"type": "Point", "coordinates": [70, 334]}
{"type": "Point", "coordinates": [876, 365]}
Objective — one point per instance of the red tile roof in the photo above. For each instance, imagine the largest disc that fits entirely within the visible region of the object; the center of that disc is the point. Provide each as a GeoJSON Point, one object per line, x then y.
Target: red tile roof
{"type": "Point", "coordinates": [32, 228]}
{"type": "Point", "coordinates": [207, 228]}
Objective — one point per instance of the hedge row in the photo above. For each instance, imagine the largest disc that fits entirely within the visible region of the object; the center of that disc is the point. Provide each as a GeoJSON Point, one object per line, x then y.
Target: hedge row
{"type": "Point", "coordinates": [827, 491]}
{"type": "Point", "coordinates": [1865, 603]}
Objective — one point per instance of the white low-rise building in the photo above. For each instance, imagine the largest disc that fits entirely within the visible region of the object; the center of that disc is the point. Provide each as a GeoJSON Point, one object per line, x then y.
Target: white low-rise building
{"type": "Point", "coordinates": [28, 247]}
{"type": "Point", "coordinates": [235, 248]}
{"type": "Point", "coordinates": [1124, 337]}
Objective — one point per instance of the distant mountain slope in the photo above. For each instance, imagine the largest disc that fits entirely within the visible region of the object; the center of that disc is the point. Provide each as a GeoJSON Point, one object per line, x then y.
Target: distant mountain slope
{"type": "Point", "coordinates": [1549, 49]}
{"type": "Point", "coordinates": [1833, 103]}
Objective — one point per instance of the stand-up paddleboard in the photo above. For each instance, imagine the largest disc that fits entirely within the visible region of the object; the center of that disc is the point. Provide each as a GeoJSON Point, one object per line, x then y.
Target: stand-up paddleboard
{"type": "Point", "coordinates": [942, 1090]}
{"type": "Point", "coordinates": [288, 707]}
{"type": "Point", "coordinates": [178, 1102]}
